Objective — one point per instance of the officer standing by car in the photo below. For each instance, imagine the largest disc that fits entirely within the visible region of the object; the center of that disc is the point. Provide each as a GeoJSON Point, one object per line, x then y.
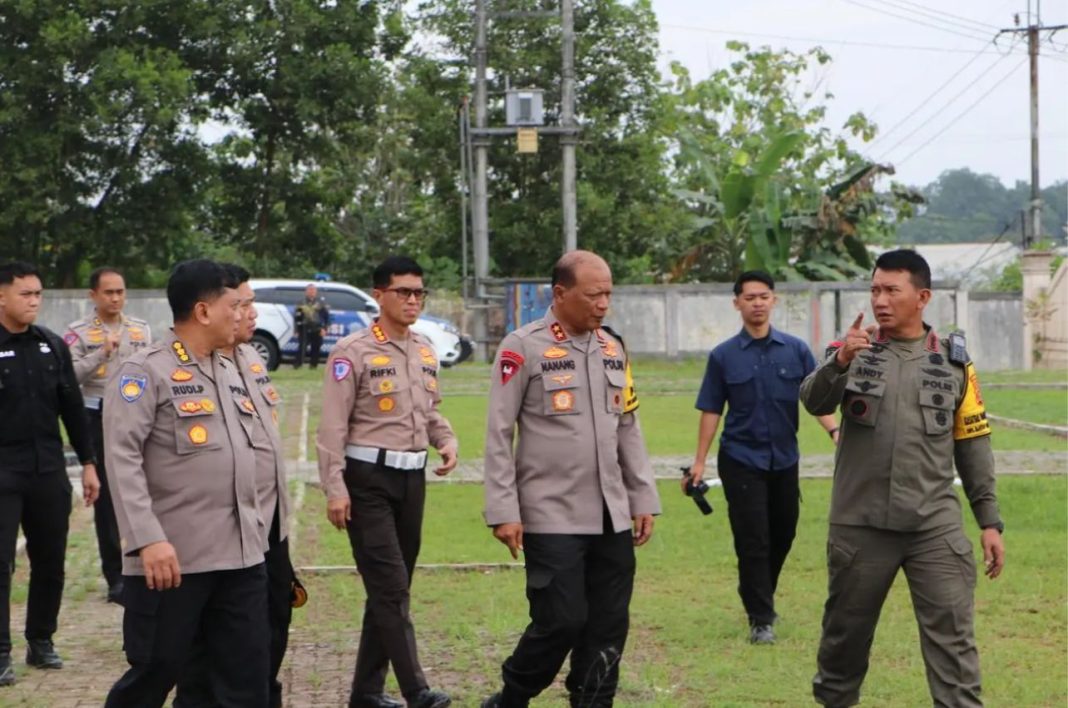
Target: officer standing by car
{"type": "Point", "coordinates": [912, 410]}
{"type": "Point", "coordinates": [180, 439]}
{"type": "Point", "coordinates": [99, 343]}
{"type": "Point", "coordinates": [757, 375]}
{"type": "Point", "coordinates": [312, 318]}
{"type": "Point", "coordinates": [37, 388]}
{"type": "Point", "coordinates": [259, 393]}
{"type": "Point", "coordinates": [380, 412]}
{"type": "Point", "coordinates": [578, 479]}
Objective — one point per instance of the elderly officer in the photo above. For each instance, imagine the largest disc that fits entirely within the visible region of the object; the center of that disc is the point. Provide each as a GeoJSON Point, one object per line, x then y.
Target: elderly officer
{"type": "Point", "coordinates": [260, 394]}
{"type": "Point", "coordinates": [180, 434]}
{"type": "Point", "coordinates": [98, 343]}
{"type": "Point", "coordinates": [911, 410]}
{"type": "Point", "coordinates": [578, 479]}
{"type": "Point", "coordinates": [380, 411]}
{"type": "Point", "coordinates": [37, 387]}
{"type": "Point", "coordinates": [312, 318]}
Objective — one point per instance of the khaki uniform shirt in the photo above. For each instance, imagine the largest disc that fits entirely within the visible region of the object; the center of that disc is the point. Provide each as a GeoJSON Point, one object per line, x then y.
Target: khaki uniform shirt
{"type": "Point", "coordinates": [378, 393]}
{"type": "Point", "coordinates": [578, 449]}
{"type": "Point", "coordinates": [85, 338]}
{"type": "Point", "coordinates": [909, 414]}
{"type": "Point", "coordinates": [181, 461]}
{"type": "Point", "coordinates": [270, 460]}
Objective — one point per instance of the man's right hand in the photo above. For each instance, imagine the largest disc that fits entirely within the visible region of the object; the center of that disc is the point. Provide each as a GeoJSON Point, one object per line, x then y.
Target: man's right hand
{"type": "Point", "coordinates": [161, 566]}
{"type": "Point", "coordinates": [111, 343]}
{"type": "Point", "coordinates": [510, 535]}
{"type": "Point", "coordinates": [857, 339]}
{"type": "Point", "coordinates": [339, 511]}
{"type": "Point", "coordinates": [697, 473]}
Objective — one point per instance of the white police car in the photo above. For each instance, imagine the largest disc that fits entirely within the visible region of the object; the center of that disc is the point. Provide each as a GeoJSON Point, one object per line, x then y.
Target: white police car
{"type": "Point", "coordinates": [350, 309]}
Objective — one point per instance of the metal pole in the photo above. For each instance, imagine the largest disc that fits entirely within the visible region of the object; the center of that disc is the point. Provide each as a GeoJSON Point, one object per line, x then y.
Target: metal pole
{"type": "Point", "coordinates": [465, 185]}
{"type": "Point", "coordinates": [568, 197]}
{"type": "Point", "coordinates": [1036, 194]}
{"type": "Point", "coordinates": [480, 212]}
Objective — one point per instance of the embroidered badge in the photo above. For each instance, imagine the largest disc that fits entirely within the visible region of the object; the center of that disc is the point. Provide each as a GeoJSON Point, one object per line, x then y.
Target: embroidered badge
{"type": "Point", "coordinates": [190, 407]}
{"type": "Point", "coordinates": [932, 342]}
{"type": "Point", "coordinates": [256, 368]}
{"type": "Point", "coordinates": [198, 435]}
{"type": "Point", "coordinates": [180, 352]}
{"type": "Point", "coordinates": [554, 353]}
{"type": "Point", "coordinates": [207, 405]}
{"type": "Point", "coordinates": [248, 405]}
{"type": "Point", "coordinates": [563, 401]}
{"type": "Point", "coordinates": [379, 334]}
{"type": "Point", "coordinates": [609, 348]}
{"type": "Point", "coordinates": [102, 371]}
{"type": "Point", "coordinates": [562, 379]}
{"type": "Point", "coordinates": [386, 386]}
{"type": "Point", "coordinates": [95, 336]}
{"type": "Point", "coordinates": [132, 386]}
{"type": "Point", "coordinates": [70, 338]}
{"type": "Point", "coordinates": [431, 383]}
{"type": "Point", "coordinates": [181, 375]}
{"type": "Point", "coordinates": [511, 362]}
{"type": "Point", "coordinates": [386, 404]}
{"type": "Point", "coordinates": [342, 368]}
{"type": "Point", "coordinates": [558, 332]}
{"type": "Point", "coordinates": [380, 360]}
{"type": "Point", "coordinates": [136, 335]}
{"type": "Point", "coordinates": [272, 395]}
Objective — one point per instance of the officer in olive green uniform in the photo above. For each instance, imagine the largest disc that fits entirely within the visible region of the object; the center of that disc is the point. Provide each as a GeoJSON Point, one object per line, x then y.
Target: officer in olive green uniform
{"type": "Point", "coordinates": [911, 409]}
{"type": "Point", "coordinates": [97, 348]}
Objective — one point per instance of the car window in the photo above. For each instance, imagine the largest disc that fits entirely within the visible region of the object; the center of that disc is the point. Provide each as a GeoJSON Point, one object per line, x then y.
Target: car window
{"type": "Point", "coordinates": [343, 300]}
{"type": "Point", "coordinates": [280, 296]}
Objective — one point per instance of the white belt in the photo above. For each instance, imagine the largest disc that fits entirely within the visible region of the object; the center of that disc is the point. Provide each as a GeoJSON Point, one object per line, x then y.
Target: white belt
{"type": "Point", "coordinates": [94, 403]}
{"type": "Point", "coordinates": [389, 458]}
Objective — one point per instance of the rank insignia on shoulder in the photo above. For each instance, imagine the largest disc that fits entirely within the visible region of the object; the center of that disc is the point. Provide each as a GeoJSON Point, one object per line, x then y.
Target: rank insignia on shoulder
{"type": "Point", "coordinates": [181, 353]}
{"type": "Point", "coordinates": [132, 386]}
{"type": "Point", "coordinates": [379, 334]}
{"type": "Point", "coordinates": [70, 338]}
{"type": "Point", "coordinates": [181, 375]}
{"type": "Point", "coordinates": [342, 368]}
{"type": "Point", "coordinates": [958, 351]}
{"type": "Point", "coordinates": [832, 348]}
{"type": "Point", "coordinates": [558, 331]}
{"type": "Point", "coordinates": [511, 363]}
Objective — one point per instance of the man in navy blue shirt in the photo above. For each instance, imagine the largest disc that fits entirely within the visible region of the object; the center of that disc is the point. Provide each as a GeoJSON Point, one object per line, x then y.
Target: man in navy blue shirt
{"type": "Point", "coordinates": [757, 373]}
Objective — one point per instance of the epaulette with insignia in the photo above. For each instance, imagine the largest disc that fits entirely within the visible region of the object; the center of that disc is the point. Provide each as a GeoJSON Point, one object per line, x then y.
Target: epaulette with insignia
{"type": "Point", "coordinates": [615, 334]}
{"type": "Point", "coordinates": [379, 333]}
{"type": "Point", "coordinates": [832, 348]}
{"type": "Point", "coordinates": [180, 352]}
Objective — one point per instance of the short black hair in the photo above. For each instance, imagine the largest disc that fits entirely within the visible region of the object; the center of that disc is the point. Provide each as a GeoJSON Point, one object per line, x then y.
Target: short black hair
{"type": "Point", "coordinates": [16, 269]}
{"type": "Point", "coordinates": [906, 259]}
{"type": "Point", "coordinates": [394, 265]}
{"type": "Point", "coordinates": [235, 274]}
{"type": "Point", "coordinates": [94, 277]}
{"type": "Point", "coordinates": [753, 276]}
{"type": "Point", "coordinates": [564, 273]}
{"type": "Point", "coordinates": [194, 281]}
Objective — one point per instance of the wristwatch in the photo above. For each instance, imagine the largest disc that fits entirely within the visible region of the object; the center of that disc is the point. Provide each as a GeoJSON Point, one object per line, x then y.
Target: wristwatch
{"type": "Point", "coordinates": [1000, 526]}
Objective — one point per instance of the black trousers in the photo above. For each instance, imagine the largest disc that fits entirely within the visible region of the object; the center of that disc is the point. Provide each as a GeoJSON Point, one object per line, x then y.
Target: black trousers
{"type": "Point", "coordinates": [385, 533]}
{"type": "Point", "coordinates": [107, 528]}
{"type": "Point", "coordinates": [194, 688]}
{"type": "Point", "coordinates": [579, 589]}
{"type": "Point", "coordinates": [763, 507]}
{"type": "Point", "coordinates": [312, 338]}
{"type": "Point", "coordinates": [227, 608]}
{"type": "Point", "coordinates": [41, 504]}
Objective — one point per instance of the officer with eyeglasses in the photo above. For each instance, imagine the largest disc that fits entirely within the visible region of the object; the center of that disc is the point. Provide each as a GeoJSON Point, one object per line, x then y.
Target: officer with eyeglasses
{"type": "Point", "coordinates": [380, 413]}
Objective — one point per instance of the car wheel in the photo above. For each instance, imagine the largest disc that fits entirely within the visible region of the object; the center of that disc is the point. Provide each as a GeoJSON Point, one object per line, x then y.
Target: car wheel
{"type": "Point", "coordinates": [267, 349]}
{"type": "Point", "coordinates": [467, 348]}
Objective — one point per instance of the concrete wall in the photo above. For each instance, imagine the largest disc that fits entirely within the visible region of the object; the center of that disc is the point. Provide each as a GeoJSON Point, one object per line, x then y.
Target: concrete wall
{"type": "Point", "coordinates": [61, 307]}
{"type": "Point", "coordinates": [1053, 349]}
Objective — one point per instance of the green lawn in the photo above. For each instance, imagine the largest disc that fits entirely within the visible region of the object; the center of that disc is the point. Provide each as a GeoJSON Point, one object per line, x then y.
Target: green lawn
{"type": "Point", "coordinates": [687, 642]}
{"type": "Point", "coordinates": [1036, 406]}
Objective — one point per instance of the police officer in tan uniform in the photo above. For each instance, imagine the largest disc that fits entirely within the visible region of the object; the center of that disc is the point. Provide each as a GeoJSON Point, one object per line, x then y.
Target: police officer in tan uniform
{"type": "Point", "coordinates": [98, 344]}
{"type": "Point", "coordinates": [579, 479]}
{"type": "Point", "coordinates": [911, 409]}
{"type": "Point", "coordinates": [380, 412]}
{"type": "Point", "coordinates": [181, 438]}
{"type": "Point", "coordinates": [258, 393]}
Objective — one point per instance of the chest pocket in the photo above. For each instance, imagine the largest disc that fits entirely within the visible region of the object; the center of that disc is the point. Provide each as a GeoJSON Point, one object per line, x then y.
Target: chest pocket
{"type": "Point", "coordinates": [615, 382]}
{"type": "Point", "coordinates": [388, 386]}
{"type": "Point", "coordinates": [741, 389]}
{"type": "Point", "coordinates": [787, 382]}
{"type": "Point", "coordinates": [863, 400]}
{"type": "Point", "coordinates": [937, 407]}
{"type": "Point", "coordinates": [198, 425]}
{"type": "Point", "coordinates": [560, 394]}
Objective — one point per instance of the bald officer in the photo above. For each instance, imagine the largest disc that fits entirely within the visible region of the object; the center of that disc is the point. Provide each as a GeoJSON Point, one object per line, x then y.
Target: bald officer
{"type": "Point", "coordinates": [181, 439]}
{"type": "Point", "coordinates": [911, 410]}
{"type": "Point", "coordinates": [99, 343]}
{"type": "Point", "coordinates": [380, 412]}
{"type": "Point", "coordinates": [578, 480]}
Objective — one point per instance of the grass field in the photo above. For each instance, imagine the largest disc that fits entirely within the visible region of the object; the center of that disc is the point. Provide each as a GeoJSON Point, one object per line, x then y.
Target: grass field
{"type": "Point", "coordinates": [687, 643]}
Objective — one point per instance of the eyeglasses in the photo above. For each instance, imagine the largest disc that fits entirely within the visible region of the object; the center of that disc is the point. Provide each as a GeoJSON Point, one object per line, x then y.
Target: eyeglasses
{"type": "Point", "coordinates": [419, 294]}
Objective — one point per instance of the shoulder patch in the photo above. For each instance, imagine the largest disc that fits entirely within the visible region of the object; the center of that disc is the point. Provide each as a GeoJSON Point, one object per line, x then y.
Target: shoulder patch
{"type": "Point", "coordinates": [630, 395]}
{"type": "Point", "coordinates": [341, 369]}
{"type": "Point", "coordinates": [970, 420]}
{"type": "Point", "coordinates": [132, 386]}
{"type": "Point", "coordinates": [511, 363]}
{"type": "Point", "coordinates": [70, 338]}
{"type": "Point", "coordinates": [832, 348]}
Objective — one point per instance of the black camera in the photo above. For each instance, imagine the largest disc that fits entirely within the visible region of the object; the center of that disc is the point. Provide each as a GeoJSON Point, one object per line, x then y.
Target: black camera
{"type": "Point", "coordinates": [697, 492]}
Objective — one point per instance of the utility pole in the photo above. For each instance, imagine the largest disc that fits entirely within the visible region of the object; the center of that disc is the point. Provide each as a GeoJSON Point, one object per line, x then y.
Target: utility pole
{"type": "Point", "coordinates": [568, 197]}
{"type": "Point", "coordinates": [479, 198]}
{"type": "Point", "coordinates": [1033, 29]}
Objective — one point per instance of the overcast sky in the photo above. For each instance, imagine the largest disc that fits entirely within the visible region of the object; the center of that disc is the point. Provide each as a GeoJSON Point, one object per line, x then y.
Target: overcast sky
{"type": "Point", "coordinates": [873, 72]}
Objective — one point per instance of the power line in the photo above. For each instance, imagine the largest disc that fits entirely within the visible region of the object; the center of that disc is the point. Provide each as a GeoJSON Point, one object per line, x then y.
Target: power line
{"type": "Point", "coordinates": [982, 258]}
{"type": "Point", "coordinates": [916, 21]}
{"type": "Point", "coordinates": [817, 40]}
{"type": "Point", "coordinates": [961, 114]}
{"type": "Point", "coordinates": [929, 10]}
